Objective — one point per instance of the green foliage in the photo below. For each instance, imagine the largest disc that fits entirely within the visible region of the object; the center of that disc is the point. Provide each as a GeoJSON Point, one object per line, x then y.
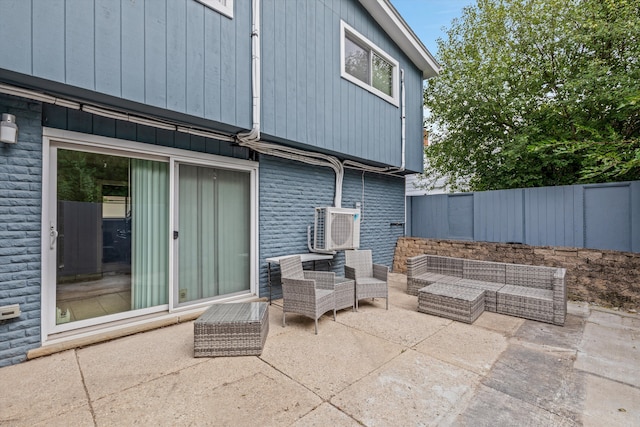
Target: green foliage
{"type": "Point", "coordinates": [83, 177]}
{"type": "Point", "coordinates": [537, 92]}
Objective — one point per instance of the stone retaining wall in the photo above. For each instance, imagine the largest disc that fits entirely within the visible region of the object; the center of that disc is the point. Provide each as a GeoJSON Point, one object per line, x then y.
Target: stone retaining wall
{"type": "Point", "coordinates": [604, 277]}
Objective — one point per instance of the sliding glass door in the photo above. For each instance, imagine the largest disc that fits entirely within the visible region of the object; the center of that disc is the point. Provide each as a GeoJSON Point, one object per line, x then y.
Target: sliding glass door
{"type": "Point", "coordinates": [213, 234]}
{"type": "Point", "coordinates": [129, 232]}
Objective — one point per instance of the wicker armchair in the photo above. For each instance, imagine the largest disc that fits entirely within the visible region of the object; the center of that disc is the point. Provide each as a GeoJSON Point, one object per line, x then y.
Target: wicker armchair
{"type": "Point", "coordinates": [371, 279]}
{"type": "Point", "coordinates": [309, 293]}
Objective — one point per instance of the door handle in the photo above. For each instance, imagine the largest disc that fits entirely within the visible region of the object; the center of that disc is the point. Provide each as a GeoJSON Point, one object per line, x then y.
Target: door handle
{"type": "Point", "coordinates": [53, 234]}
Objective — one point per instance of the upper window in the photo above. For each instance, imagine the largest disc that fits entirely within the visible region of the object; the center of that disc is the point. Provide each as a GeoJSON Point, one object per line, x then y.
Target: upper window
{"type": "Point", "coordinates": [223, 6]}
{"type": "Point", "coordinates": [368, 66]}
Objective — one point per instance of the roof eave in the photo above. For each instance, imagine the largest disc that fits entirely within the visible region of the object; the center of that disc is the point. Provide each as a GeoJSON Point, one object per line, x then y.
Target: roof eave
{"type": "Point", "coordinates": [392, 23]}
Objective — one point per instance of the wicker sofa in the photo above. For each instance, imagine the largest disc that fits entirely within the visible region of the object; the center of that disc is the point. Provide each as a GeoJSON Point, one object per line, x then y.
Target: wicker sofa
{"type": "Point", "coordinates": [533, 292]}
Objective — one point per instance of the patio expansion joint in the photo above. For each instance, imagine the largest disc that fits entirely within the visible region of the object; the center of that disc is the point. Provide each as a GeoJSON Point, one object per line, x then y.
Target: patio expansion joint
{"type": "Point", "coordinates": [603, 377]}
{"type": "Point", "coordinates": [415, 345]}
{"type": "Point", "coordinates": [322, 400]}
{"type": "Point", "coordinates": [149, 381]}
{"type": "Point", "coordinates": [328, 400]}
{"type": "Point", "coordinates": [84, 386]}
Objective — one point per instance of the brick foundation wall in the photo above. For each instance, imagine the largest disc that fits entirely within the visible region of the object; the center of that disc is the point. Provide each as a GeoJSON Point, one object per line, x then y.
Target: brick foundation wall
{"type": "Point", "coordinates": [20, 200]}
{"type": "Point", "coordinates": [604, 277]}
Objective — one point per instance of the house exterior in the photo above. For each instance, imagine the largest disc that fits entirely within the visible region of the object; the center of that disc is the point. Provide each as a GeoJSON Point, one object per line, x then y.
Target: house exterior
{"type": "Point", "coordinates": [166, 148]}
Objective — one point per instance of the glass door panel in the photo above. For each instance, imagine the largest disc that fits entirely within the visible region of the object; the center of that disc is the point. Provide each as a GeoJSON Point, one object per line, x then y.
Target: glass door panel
{"type": "Point", "coordinates": [111, 250]}
{"type": "Point", "coordinates": [213, 232]}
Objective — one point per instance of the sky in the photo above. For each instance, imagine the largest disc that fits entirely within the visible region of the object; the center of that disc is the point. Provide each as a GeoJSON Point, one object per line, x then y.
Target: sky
{"type": "Point", "coordinates": [427, 17]}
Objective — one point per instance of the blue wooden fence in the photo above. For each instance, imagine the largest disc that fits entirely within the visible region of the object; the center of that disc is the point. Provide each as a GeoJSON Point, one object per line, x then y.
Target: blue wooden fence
{"type": "Point", "coordinates": [598, 216]}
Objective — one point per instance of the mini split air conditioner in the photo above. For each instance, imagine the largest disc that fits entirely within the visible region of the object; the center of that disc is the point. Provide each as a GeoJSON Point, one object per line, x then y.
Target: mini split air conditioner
{"type": "Point", "coordinates": [336, 229]}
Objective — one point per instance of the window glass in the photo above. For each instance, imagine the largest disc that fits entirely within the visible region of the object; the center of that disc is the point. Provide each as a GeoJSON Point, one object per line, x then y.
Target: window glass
{"type": "Point", "coordinates": [112, 214]}
{"type": "Point", "coordinates": [368, 66]}
{"type": "Point", "coordinates": [356, 60]}
{"type": "Point", "coordinates": [382, 75]}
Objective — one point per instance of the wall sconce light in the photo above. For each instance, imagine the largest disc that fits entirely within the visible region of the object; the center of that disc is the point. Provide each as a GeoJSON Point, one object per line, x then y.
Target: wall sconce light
{"type": "Point", "coordinates": [8, 129]}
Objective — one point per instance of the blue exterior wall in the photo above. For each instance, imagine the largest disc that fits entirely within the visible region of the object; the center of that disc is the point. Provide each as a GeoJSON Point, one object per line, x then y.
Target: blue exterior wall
{"type": "Point", "coordinates": [171, 54]}
{"type": "Point", "coordinates": [305, 100]}
{"type": "Point", "coordinates": [20, 200]}
{"type": "Point", "coordinates": [180, 60]}
{"type": "Point", "coordinates": [290, 192]}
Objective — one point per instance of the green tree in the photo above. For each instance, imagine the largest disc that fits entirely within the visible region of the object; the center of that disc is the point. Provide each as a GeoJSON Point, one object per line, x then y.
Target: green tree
{"type": "Point", "coordinates": [537, 92]}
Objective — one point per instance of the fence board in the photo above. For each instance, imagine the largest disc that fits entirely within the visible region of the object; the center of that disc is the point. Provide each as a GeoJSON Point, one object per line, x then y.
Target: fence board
{"type": "Point", "coordinates": [598, 216]}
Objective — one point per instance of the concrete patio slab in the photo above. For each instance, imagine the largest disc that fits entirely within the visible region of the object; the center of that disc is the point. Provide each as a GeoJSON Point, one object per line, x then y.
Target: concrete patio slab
{"type": "Point", "coordinates": [617, 359]}
{"type": "Point", "coordinates": [81, 416]}
{"type": "Point", "coordinates": [223, 391]}
{"type": "Point", "coordinates": [506, 325]}
{"type": "Point", "coordinates": [465, 346]}
{"type": "Point", "coordinates": [351, 353]}
{"type": "Point", "coordinates": [411, 390]}
{"type": "Point", "coordinates": [372, 368]}
{"type": "Point", "coordinates": [406, 328]}
{"type": "Point", "coordinates": [41, 390]}
{"type": "Point", "coordinates": [610, 403]}
{"type": "Point", "coordinates": [614, 319]}
{"type": "Point", "coordinates": [540, 377]}
{"type": "Point", "coordinates": [165, 351]}
{"type": "Point", "coordinates": [492, 408]}
{"type": "Point", "coordinates": [326, 415]}
{"type": "Point", "coordinates": [554, 337]}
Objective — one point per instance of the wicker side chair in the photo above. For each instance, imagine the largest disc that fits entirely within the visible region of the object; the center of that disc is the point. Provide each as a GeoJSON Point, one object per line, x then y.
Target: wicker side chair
{"type": "Point", "coordinates": [370, 278]}
{"type": "Point", "coordinates": [309, 293]}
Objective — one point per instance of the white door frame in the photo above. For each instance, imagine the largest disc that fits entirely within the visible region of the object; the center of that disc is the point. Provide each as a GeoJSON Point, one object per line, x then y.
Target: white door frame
{"type": "Point", "coordinates": [54, 138]}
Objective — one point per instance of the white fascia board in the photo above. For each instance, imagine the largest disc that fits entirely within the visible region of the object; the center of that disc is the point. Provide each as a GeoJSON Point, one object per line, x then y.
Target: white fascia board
{"type": "Point", "coordinates": [393, 24]}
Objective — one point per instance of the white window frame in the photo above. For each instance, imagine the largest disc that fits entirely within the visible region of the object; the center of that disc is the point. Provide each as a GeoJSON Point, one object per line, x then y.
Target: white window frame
{"type": "Point", "coordinates": [225, 7]}
{"type": "Point", "coordinates": [99, 144]}
{"type": "Point", "coordinates": [346, 29]}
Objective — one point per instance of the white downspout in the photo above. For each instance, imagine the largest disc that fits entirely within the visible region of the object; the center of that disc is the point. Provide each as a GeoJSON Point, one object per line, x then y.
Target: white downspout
{"type": "Point", "coordinates": [403, 125]}
{"type": "Point", "coordinates": [254, 134]}
{"type": "Point", "coordinates": [251, 139]}
{"type": "Point", "coordinates": [403, 118]}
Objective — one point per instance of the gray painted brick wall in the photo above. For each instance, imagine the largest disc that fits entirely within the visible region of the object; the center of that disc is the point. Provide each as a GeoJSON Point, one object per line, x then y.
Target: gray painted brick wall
{"type": "Point", "coordinates": [289, 193]}
{"type": "Point", "coordinates": [20, 201]}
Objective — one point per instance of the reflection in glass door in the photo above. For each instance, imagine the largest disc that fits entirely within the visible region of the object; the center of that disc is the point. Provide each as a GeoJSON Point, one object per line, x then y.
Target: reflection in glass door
{"type": "Point", "coordinates": [213, 232]}
{"type": "Point", "coordinates": [111, 221]}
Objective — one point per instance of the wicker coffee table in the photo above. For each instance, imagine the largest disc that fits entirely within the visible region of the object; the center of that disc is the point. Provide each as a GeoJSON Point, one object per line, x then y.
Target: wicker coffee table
{"type": "Point", "coordinates": [456, 303]}
{"type": "Point", "coordinates": [233, 329]}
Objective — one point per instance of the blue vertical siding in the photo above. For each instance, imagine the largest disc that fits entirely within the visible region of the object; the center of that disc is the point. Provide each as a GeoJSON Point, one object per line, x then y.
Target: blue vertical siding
{"type": "Point", "coordinates": [173, 54]}
{"type": "Point", "coordinates": [307, 102]}
{"type": "Point", "coordinates": [79, 44]}
{"type": "Point", "coordinates": [598, 216]}
{"type": "Point", "coordinates": [12, 27]}
{"type": "Point", "coordinates": [108, 39]}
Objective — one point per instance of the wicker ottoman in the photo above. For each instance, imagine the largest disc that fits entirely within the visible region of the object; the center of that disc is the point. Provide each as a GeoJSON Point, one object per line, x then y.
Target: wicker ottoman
{"type": "Point", "coordinates": [233, 329]}
{"type": "Point", "coordinates": [450, 301]}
